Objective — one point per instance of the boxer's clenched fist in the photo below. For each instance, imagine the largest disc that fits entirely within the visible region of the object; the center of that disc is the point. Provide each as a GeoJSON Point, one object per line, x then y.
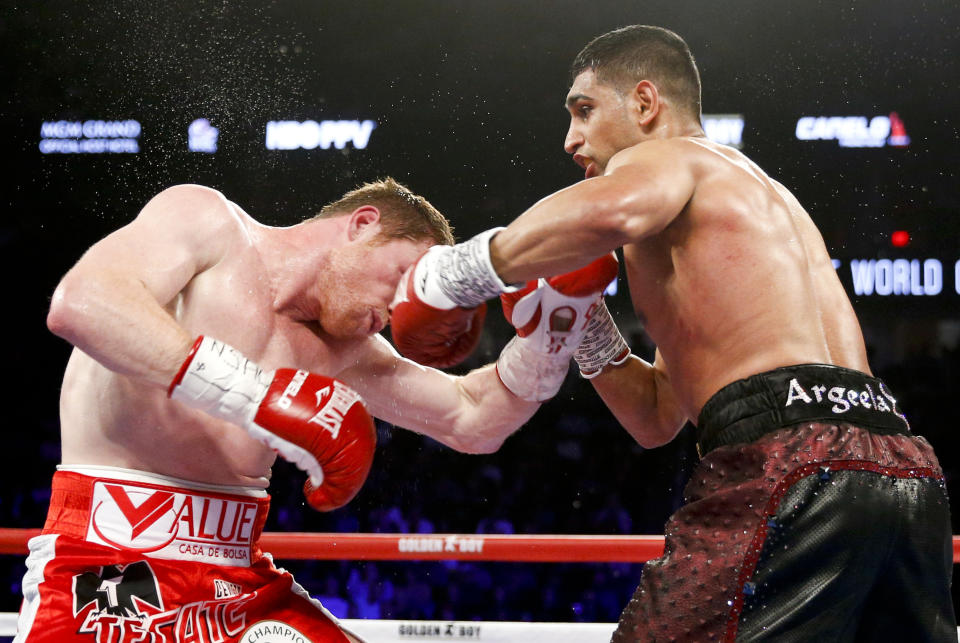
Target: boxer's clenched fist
{"type": "Point", "coordinates": [425, 325]}
{"type": "Point", "coordinates": [438, 311]}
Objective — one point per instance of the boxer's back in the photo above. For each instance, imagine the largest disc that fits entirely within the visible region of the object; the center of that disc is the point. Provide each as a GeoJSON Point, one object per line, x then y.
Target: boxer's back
{"type": "Point", "coordinates": [743, 281]}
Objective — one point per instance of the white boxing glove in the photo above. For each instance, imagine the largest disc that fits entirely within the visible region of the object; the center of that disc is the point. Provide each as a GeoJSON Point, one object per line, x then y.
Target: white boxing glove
{"type": "Point", "coordinates": [551, 317]}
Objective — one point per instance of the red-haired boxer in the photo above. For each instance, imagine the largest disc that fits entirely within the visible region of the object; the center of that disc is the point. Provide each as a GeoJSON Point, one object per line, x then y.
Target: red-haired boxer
{"type": "Point", "coordinates": [206, 344]}
{"type": "Point", "coordinates": [815, 513]}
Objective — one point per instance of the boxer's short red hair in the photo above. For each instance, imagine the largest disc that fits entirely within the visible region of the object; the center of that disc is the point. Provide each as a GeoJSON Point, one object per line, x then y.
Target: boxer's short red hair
{"type": "Point", "coordinates": [403, 214]}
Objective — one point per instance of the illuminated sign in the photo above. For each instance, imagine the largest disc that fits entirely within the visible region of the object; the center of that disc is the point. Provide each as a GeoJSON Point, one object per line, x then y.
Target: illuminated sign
{"type": "Point", "coordinates": [905, 277]}
{"type": "Point", "coordinates": [897, 276]}
{"type": "Point", "coordinates": [854, 131]}
{"type": "Point", "coordinates": [89, 137]}
{"type": "Point", "coordinates": [308, 135]}
{"type": "Point", "coordinates": [726, 129]}
{"type": "Point", "coordinates": [202, 136]}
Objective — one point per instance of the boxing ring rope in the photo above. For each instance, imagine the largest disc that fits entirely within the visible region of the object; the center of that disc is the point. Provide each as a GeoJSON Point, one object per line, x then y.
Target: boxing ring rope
{"type": "Point", "coordinates": [477, 547]}
{"type": "Point", "coordinates": [481, 547]}
{"type": "Point", "coordinates": [484, 547]}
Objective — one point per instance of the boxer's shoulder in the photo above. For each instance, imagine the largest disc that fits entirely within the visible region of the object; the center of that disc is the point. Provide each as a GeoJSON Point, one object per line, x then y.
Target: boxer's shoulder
{"type": "Point", "coordinates": [189, 195]}
{"type": "Point", "coordinates": [654, 151]}
{"type": "Point", "coordinates": [197, 210]}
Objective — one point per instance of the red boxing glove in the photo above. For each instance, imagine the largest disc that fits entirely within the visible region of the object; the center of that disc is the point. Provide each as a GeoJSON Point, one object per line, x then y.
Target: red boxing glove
{"type": "Point", "coordinates": [425, 325]}
{"type": "Point", "coordinates": [316, 422]}
{"type": "Point", "coordinates": [551, 316]}
{"type": "Point", "coordinates": [320, 424]}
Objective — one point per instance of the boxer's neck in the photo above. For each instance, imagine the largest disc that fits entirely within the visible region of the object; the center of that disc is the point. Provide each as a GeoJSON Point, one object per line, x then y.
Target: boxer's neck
{"type": "Point", "coordinates": [293, 257]}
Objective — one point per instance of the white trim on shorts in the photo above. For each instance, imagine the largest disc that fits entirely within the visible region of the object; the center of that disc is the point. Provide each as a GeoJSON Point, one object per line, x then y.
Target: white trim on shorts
{"type": "Point", "coordinates": [133, 475]}
{"type": "Point", "coordinates": [42, 551]}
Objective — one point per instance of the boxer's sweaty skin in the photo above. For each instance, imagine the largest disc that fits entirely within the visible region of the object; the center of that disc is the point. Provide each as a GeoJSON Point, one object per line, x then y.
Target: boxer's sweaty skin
{"type": "Point", "coordinates": [727, 272]}
{"type": "Point", "coordinates": [312, 296]}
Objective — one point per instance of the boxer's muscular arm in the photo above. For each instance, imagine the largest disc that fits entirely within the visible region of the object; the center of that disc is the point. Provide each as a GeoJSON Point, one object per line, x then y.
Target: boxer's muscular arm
{"type": "Point", "coordinates": [641, 398]}
{"type": "Point", "coordinates": [644, 189]}
{"type": "Point", "coordinates": [473, 413]}
{"type": "Point", "coordinates": [111, 303]}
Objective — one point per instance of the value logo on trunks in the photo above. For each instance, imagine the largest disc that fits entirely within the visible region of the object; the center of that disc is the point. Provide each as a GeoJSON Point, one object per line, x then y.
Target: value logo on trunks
{"type": "Point", "coordinates": [843, 399]}
{"type": "Point", "coordinates": [172, 524]}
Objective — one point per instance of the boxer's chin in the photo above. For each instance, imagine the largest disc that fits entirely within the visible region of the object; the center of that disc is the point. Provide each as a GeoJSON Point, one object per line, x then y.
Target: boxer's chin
{"type": "Point", "coordinates": [346, 324]}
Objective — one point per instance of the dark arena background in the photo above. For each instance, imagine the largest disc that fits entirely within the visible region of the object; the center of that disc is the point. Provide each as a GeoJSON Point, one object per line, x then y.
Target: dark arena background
{"type": "Point", "coordinates": [285, 105]}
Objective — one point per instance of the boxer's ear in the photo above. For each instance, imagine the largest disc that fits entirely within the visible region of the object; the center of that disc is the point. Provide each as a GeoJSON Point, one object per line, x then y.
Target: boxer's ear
{"type": "Point", "coordinates": [364, 223]}
{"type": "Point", "coordinates": [645, 102]}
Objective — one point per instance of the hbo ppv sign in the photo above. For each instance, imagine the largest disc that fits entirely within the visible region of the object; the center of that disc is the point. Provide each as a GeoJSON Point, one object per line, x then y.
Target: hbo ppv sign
{"type": "Point", "coordinates": [309, 135]}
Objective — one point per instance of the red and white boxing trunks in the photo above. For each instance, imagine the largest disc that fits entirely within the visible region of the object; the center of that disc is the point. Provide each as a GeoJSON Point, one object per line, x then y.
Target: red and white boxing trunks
{"type": "Point", "coordinates": [129, 557]}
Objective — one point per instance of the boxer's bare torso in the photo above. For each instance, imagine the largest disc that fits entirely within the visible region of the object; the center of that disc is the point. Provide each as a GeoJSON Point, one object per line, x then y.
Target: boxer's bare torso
{"type": "Point", "coordinates": [112, 419]}
{"type": "Point", "coordinates": [119, 420]}
{"type": "Point", "coordinates": [739, 282]}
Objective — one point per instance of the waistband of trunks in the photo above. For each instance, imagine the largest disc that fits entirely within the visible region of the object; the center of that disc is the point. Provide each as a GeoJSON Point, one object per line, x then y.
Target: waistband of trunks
{"type": "Point", "coordinates": [150, 516]}
{"type": "Point", "coordinates": [747, 409]}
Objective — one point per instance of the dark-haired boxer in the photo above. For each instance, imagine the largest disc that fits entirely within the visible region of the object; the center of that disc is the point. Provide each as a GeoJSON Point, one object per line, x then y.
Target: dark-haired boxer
{"type": "Point", "coordinates": [206, 344]}
{"type": "Point", "coordinates": [815, 513]}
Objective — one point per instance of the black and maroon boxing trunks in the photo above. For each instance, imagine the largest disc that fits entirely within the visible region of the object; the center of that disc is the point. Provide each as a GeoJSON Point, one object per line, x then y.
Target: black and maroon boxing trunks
{"type": "Point", "coordinates": [814, 515]}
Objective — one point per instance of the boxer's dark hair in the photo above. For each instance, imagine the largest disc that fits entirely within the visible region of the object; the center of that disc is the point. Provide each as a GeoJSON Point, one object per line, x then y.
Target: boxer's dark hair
{"type": "Point", "coordinates": [623, 57]}
{"type": "Point", "coordinates": [403, 214]}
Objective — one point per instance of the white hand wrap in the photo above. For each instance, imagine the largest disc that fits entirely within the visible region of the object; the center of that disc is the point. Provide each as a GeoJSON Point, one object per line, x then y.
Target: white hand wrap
{"type": "Point", "coordinates": [460, 275]}
{"type": "Point", "coordinates": [220, 381]}
{"type": "Point", "coordinates": [602, 344]}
